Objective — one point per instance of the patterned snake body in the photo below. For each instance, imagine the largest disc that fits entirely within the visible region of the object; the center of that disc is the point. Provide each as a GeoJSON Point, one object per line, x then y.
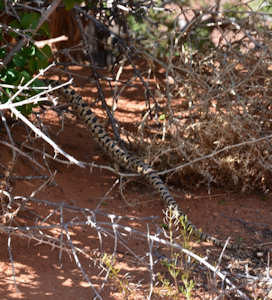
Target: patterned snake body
{"type": "Point", "coordinates": [128, 161]}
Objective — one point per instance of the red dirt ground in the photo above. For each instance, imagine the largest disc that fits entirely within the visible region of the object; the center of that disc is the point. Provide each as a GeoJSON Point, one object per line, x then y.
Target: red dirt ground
{"type": "Point", "coordinates": [38, 271]}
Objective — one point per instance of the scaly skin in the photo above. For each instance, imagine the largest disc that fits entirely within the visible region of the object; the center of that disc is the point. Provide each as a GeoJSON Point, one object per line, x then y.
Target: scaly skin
{"type": "Point", "coordinates": [128, 161]}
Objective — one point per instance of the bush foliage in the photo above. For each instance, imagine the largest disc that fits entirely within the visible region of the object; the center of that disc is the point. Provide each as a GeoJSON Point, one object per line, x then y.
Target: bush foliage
{"type": "Point", "coordinates": [211, 69]}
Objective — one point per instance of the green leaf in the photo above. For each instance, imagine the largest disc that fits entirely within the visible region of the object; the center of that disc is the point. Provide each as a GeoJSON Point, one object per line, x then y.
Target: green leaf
{"type": "Point", "coordinates": [19, 60]}
{"type": "Point", "coordinates": [162, 117]}
{"type": "Point", "coordinates": [2, 5]}
{"type": "Point", "coordinates": [32, 65]}
{"type": "Point", "coordinates": [3, 53]}
{"type": "Point", "coordinates": [69, 4]}
{"type": "Point", "coordinates": [30, 20]}
{"type": "Point", "coordinates": [165, 226]}
{"type": "Point", "coordinates": [12, 75]}
{"type": "Point", "coordinates": [25, 76]}
{"type": "Point", "coordinates": [29, 51]}
{"type": "Point", "coordinates": [39, 54]}
{"type": "Point", "coordinates": [3, 98]}
{"type": "Point", "coordinates": [38, 83]}
{"type": "Point", "coordinates": [46, 50]}
{"type": "Point", "coordinates": [26, 109]}
{"type": "Point", "coordinates": [44, 29]}
{"type": "Point", "coordinates": [14, 24]}
{"type": "Point", "coordinates": [42, 63]}
{"type": "Point", "coordinates": [41, 59]}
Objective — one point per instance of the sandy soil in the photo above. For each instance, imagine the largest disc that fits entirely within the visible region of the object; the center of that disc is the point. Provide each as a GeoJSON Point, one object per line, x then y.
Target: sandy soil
{"type": "Point", "coordinates": [39, 271]}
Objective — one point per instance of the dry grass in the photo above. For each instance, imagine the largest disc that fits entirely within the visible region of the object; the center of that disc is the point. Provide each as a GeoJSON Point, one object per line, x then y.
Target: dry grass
{"type": "Point", "coordinates": [216, 100]}
{"type": "Point", "coordinates": [208, 72]}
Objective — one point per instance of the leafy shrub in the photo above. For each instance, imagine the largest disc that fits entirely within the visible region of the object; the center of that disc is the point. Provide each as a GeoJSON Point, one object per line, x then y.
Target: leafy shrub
{"type": "Point", "coordinates": [27, 61]}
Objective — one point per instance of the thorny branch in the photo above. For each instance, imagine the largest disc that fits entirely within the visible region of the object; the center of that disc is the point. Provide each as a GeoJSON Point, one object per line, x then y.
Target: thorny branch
{"type": "Point", "coordinates": [39, 133]}
{"type": "Point", "coordinates": [112, 229]}
{"type": "Point", "coordinates": [215, 107]}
